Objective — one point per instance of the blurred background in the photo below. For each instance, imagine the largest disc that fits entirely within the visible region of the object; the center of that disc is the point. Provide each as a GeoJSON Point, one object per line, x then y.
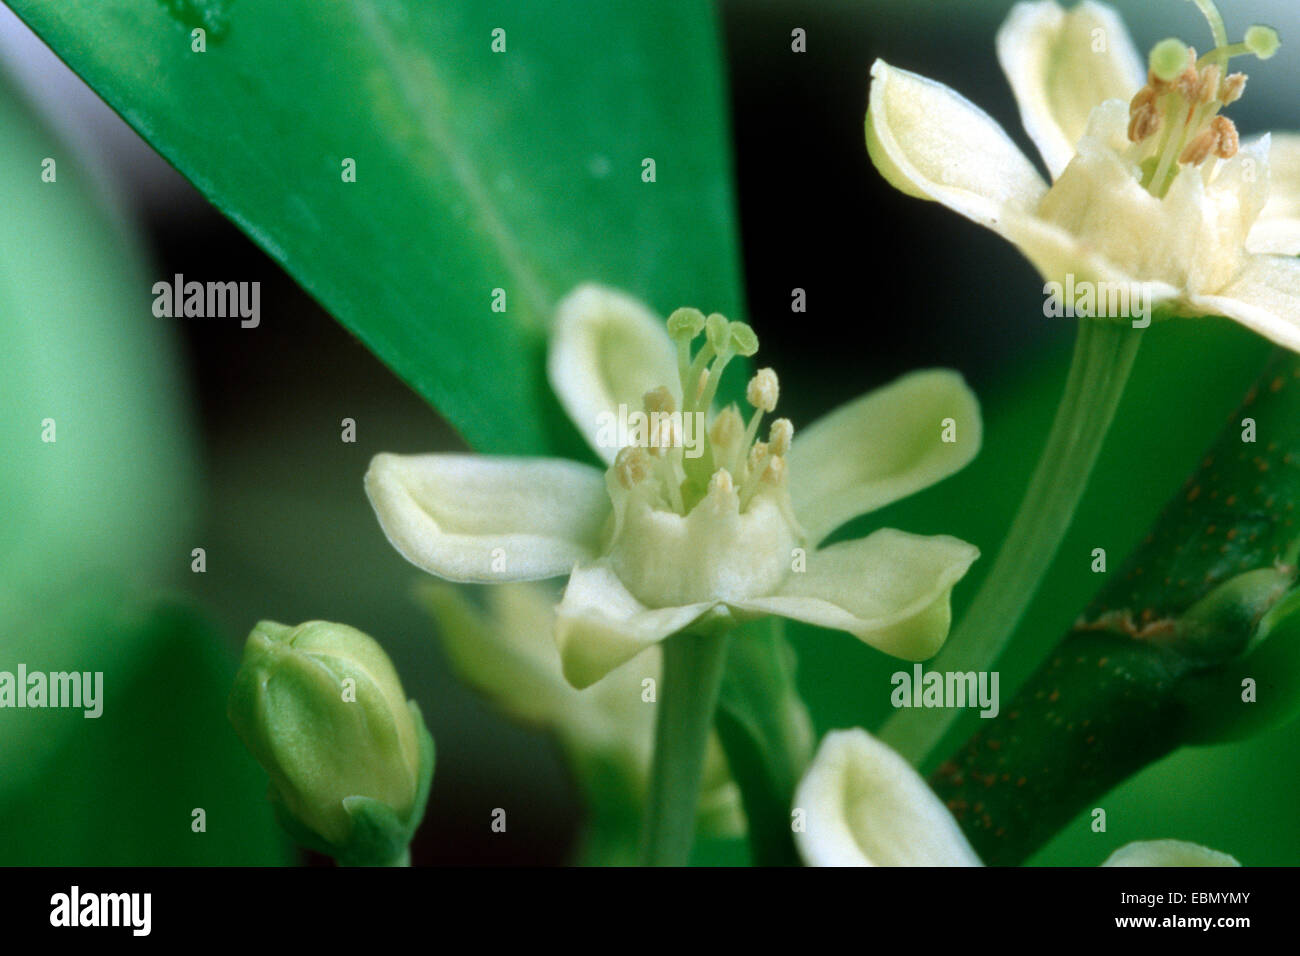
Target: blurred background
{"type": "Point", "coordinates": [178, 434]}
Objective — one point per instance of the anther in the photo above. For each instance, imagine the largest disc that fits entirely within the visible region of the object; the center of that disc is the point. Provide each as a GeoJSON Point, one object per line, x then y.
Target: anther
{"type": "Point", "coordinates": [1208, 89]}
{"type": "Point", "coordinates": [779, 436]}
{"type": "Point", "coordinates": [721, 483]}
{"type": "Point", "coordinates": [1143, 123]}
{"type": "Point", "coordinates": [1227, 141]}
{"type": "Point", "coordinates": [763, 390]}
{"type": "Point", "coordinates": [727, 429]}
{"type": "Point", "coordinates": [1199, 148]}
{"type": "Point", "coordinates": [631, 466]}
{"type": "Point", "coordinates": [1233, 86]}
{"type": "Point", "coordinates": [774, 473]}
{"type": "Point", "coordinates": [660, 400]}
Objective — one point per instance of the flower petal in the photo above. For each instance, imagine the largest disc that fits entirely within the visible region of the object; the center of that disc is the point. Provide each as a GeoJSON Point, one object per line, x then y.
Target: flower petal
{"type": "Point", "coordinates": [932, 143]}
{"type": "Point", "coordinates": [483, 519]}
{"type": "Point", "coordinates": [1278, 228]}
{"type": "Point", "coordinates": [1061, 66]}
{"type": "Point", "coordinates": [1265, 297]}
{"type": "Point", "coordinates": [880, 447]}
{"type": "Point", "coordinates": [1168, 853]}
{"type": "Point", "coordinates": [607, 349]}
{"type": "Point", "coordinates": [890, 589]}
{"type": "Point", "coordinates": [599, 624]}
{"type": "Point", "coordinates": [864, 805]}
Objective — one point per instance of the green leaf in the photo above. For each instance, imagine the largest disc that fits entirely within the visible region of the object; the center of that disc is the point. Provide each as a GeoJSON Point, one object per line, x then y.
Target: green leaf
{"type": "Point", "coordinates": [121, 789]}
{"type": "Point", "coordinates": [475, 170]}
{"type": "Point", "coordinates": [81, 350]}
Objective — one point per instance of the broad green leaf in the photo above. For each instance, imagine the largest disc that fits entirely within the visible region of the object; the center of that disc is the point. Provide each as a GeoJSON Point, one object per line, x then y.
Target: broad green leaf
{"type": "Point", "coordinates": [476, 170]}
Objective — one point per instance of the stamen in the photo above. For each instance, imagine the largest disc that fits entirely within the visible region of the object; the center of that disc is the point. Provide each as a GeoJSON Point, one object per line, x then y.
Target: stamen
{"type": "Point", "coordinates": [774, 473]}
{"type": "Point", "coordinates": [763, 390]}
{"type": "Point", "coordinates": [660, 400]}
{"type": "Point", "coordinates": [1144, 118]}
{"type": "Point", "coordinates": [721, 483]}
{"type": "Point", "coordinates": [1199, 148]}
{"type": "Point", "coordinates": [1232, 88]}
{"type": "Point", "coordinates": [1228, 141]}
{"type": "Point", "coordinates": [632, 466]}
{"type": "Point", "coordinates": [779, 436]}
{"type": "Point", "coordinates": [727, 437]}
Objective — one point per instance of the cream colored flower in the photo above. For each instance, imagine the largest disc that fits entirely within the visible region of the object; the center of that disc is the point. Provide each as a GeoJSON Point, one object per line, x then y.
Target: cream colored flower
{"type": "Point", "coordinates": [506, 650]}
{"type": "Point", "coordinates": [1150, 183]}
{"type": "Point", "coordinates": [864, 805]}
{"type": "Point", "coordinates": [695, 523]}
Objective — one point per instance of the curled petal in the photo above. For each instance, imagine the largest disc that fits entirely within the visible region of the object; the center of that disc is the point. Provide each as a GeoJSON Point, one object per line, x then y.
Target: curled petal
{"type": "Point", "coordinates": [1265, 297]}
{"type": "Point", "coordinates": [607, 349]}
{"type": "Point", "coordinates": [890, 443]}
{"type": "Point", "coordinates": [864, 805]}
{"type": "Point", "coordinates": [1168, 853]}
{"type": "Point", "coordinates": [1063, 64]}
{"type": "Point", "coordinates": [475, 518]}
{"type": "Point", "coordinates": [933, 143]}
{"type": "Point", "coordinates": [891, 589]}
{"type": "Point", "coordinates": [599, 624]}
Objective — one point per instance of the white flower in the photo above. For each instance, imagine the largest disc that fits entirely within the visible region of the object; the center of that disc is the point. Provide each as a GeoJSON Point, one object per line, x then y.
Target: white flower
{"type": "Point", "coordinates": [1149, 182]}
{"type": "Point", "coordinates": [864, 805]}
{"type": "Point", "coordinates": [663, 541]}
{"type": "Point", "coordinates": [507, 651]}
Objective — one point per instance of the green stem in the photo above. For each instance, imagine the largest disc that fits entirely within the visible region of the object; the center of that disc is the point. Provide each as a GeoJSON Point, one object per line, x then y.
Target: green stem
{"type": "Point", "coordinates": [692, 676]}
{"type": "Point", "coordinates": [1103, 358]}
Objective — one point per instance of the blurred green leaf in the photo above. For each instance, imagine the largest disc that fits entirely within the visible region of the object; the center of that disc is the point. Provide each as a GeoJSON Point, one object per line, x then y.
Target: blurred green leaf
{"type": "Point", "coordinates": [475, 170]}
{"type": "Point", "coordinates": [121, 789]}
{"type": "Point", "coordinates": [80, 348]}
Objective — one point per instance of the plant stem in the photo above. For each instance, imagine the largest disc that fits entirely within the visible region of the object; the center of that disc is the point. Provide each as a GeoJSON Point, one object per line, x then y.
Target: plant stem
{"type": "Point", "coordinates": [1103, 358]}
{"type": "Point", "coordinates": [692, 676]}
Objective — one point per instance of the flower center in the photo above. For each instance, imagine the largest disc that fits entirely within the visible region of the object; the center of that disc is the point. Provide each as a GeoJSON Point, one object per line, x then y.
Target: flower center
{"type": "Point", "coordinates": [1174, 119]}
{"type": "Point", "coordinates": [707, 519]}
{"type": "Point", "coordinates": [726, 451]}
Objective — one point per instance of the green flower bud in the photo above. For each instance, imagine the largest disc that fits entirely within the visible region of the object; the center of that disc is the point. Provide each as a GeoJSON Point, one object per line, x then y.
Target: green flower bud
{"type": "Point", "coordinates": [1255, 692]}
{"type": "Point", "coordinates": [322, 710]}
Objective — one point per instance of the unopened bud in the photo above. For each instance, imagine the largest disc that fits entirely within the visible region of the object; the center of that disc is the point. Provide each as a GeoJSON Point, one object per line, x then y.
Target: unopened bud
{"type": "Point", "coordinates": [321, 708]}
